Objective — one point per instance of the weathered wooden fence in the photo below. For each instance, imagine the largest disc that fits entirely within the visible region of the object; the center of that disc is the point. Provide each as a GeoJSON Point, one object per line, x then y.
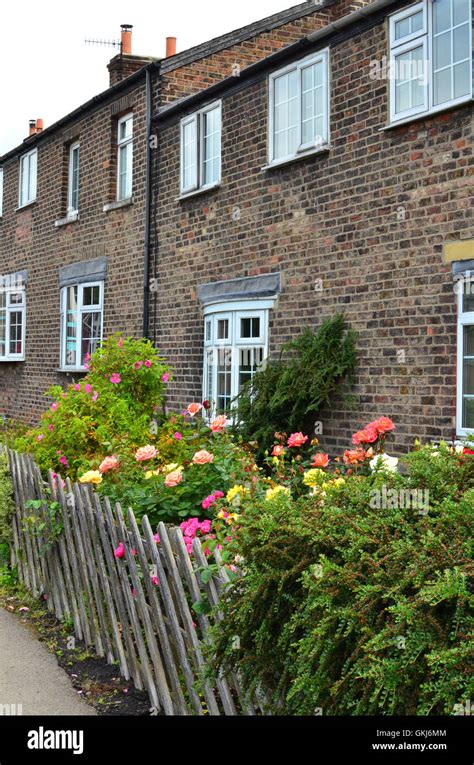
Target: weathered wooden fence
{"type": "Point", "coordinates": [137, 610]}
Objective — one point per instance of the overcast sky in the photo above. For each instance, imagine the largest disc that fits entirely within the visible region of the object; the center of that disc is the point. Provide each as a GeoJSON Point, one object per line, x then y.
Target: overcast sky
{"type": "Point", "coordinates": [46, 69]}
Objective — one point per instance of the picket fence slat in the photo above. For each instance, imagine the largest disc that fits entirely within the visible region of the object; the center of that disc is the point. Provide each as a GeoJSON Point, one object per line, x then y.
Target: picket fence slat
{"type": "Point", "coordinates": [135, 610]}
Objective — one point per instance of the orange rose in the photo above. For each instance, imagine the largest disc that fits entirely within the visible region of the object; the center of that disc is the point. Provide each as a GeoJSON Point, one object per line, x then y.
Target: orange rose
{"type": "Point", "coordinates": [320, 461]}
{"type": "Point", "coordinates": [297, 439]}
{"type": "Point", "coordinates": [146, 453]}
{"type": "Point", "coordinates": [278, 450]}
{"type": "Point", "coordinates": [219, 423]}
{"type": "Point", "coordinates": [354, 456]}
{"type": "Point", "coordinates": [194, 409]}
{"type": "Point", "coordinates": [109, 463]}
{"type": "Point", "coordinates": [203, 458]}
{"type": "Point", "coordinates": [365, 436]}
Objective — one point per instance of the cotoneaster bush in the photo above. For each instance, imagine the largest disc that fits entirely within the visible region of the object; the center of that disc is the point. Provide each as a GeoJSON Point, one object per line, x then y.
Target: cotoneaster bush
{"type": "Point", "coordinates": [357, 599]}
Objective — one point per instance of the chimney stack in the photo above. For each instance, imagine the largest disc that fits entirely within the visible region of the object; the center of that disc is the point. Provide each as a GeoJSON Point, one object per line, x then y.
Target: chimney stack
{"type": "Point", "coordinates": [36, 126]}
{"type": "Point", "coordinates": [126, 39]}
{"type": "Point", "coordinates": [170, 46]}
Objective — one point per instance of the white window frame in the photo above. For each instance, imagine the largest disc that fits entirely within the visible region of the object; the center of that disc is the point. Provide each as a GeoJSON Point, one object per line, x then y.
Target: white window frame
{"type": "Point", "coordinates": [1, 192]}
{"type": "Point", "coordinates": [121, 144]}
{"type": "Point", "coordinates": [465, 319]}
{"type": "Point", "coordinates": [423, 36]}
{"type": "Point", "coordinates": [9, 310]}
{"type": "Point", "coordinates": [197, 118]}
{"type": "Point", "coordinates": [71, 209]}
{"type": "Point", "coordinates": [81, 308]}
{"type": "Point", "coordinates": [308, 148]}
{"type": "Point", "coordinates": [234, 312]}
{"type": "Point", "coordinates": [22, 200]}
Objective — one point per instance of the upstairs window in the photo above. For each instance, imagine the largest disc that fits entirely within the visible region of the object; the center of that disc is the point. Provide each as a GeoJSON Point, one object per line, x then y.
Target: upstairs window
{"type": "Point", "coordinates": [235, 346]}
{"type": "Point", "coordinates": [431, 57]}
{"type": "Point", "coordinates": [81, 323]}
{"type": "Point", "coordinates": [1, 191]}
{"type": "Point", "coordinates": [28, 168]}
{"type": "Point", "coordinates": [201, 149]}
{"type": "Point", "coordinates": [465, 365]}
{"type": "Point", "coordinates": [12, 319]}
{"type": "Point", "coordinates": [73, 180]}
{"type": "Point", "coordinates": [298, 109]}
{"type": "Point", "coordinates": [124, 157]}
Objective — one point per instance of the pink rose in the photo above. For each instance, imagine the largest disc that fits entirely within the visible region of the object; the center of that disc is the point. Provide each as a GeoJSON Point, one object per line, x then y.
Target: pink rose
{"type": "Point", "coordinates": [165, 378]}
{"type": "Point", "coordinates": [194, 409]}
{"type": "Point", "coordinates": [88, 388]}
{"type": "Point", "coordinates": [173, 479]}
{"type": "Point", "coordinates": [219, 423]}
{"type": "Point", "coordinates": [146, 453]}
{"type": "Point", "coordinates": [109, 463]}
{"type": "Point", "coordinates": [278, 450]}
{"type": "Point", "coordinates": [115, 379]}
{"type": "Point", "coordinates": [63, 461]}
{"type": "Point", "coordinates": [218, 494]}
{"type": "Point", "coordinates": [203, 458]}
{"type": "Point", "coordinates": [148, 363]}
{"type": "Point", "coordinates": [40, 437]}
{"type": "Point", "coordinates": [205, 527]}
{"type": "Point", "coordinates": [178, 436]}
{"type": "Point", "coordinates": [54, 406]}
{"type": "Point", "coordinates": [297, 439]}
{"type": "Point", "coordinates": [77, 386]}
{"type": "Point", "coordinates": [119, 552]}
{"type": "Point", "coordinates": [156, 537]}
{"type": "Point", "coordinates": [95, 396]}
{"type": "Point", "coordinates": [320, 461]}
{"type": "Point", "coordinates": [120, 342]}
{"type": "Point", "coordinates": [138, 364]}
{"type": "Point", "coordinates": [155, 581]}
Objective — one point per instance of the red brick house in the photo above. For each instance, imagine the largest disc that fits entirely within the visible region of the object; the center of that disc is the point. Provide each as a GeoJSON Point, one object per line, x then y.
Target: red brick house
{"type": "Point", "coordinates": [75, 207]}
{"type": "Point", "coordinates": [334, 175]}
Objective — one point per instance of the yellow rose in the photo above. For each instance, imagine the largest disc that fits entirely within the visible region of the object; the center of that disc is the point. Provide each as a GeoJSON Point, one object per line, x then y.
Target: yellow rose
{"type": "Point", "coordinates": [272, 493]}
{"type": "Point", "coordinates": [236, 491]}
{"type": "Point", "coordinates": [92, 476]}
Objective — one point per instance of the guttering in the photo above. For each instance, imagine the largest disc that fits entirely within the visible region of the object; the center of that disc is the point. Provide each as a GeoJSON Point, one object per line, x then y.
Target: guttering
{"type": "Point", "coordinates": [277, 58]}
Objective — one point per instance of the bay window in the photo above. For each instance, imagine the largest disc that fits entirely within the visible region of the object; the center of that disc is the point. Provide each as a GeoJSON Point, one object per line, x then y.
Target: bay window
{"type": "Point", "coordinates": [81, 323]}
{"type": "Point", "coordinates": [235, 346]}
{"type": "Point", "coordinates": [465, 361]}
{"type": "Point", "coordinates": [431, 57]}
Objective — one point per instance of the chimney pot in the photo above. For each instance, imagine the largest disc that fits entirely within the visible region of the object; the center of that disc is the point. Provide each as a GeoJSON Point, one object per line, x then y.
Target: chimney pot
{"type": "Point", "coordinates": [127, 39]}
{"type": "Point", "coordinates": [32, 125]}
{"type": "Point", "coordinates": [39, 125]}
{"type": "Point", "coordinates": [170, 46]}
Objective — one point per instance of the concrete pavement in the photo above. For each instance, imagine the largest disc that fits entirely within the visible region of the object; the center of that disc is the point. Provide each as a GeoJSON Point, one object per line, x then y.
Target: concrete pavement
{"type": "Point", "coordinates": [31, 676]}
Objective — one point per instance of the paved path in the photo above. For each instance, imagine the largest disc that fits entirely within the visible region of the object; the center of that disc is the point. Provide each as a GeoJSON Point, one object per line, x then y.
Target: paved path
{"type": "Point", "coordinates": [31, 676]}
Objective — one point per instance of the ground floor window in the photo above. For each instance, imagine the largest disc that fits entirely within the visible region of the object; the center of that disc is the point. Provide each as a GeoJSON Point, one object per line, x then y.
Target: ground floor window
{"type": "Point", "coordinates": [235, 346]}
{"type": "Point", "coordinates": [12, 319]}
{"type": "Point", "coordinates": [81, 323]}
{"type": "Point", "coordinates": [465, 376]}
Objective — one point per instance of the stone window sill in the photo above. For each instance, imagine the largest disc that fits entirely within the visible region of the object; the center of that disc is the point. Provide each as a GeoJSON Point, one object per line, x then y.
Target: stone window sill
{"type": "Point", "coordinates": [118, 204]}
{"type": "Point", "coordinates": [198, 192]}
{"type": "Point", "coordinates": [425, 115]}
{"type": "Point", "coordinates": [28, 204]}
{"type": "Point", "coordinates": [297, 157]}
{"type": "Point", "coordinates": [72, 370]}
{"type": "Point", "coordinates": [72, 218]}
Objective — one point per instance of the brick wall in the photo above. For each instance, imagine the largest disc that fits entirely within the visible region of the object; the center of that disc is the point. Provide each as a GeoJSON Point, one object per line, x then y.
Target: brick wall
{"type": "Point", "coordinates": [29, 240]}
{"type": "Point", "coordinates": [335, 218]}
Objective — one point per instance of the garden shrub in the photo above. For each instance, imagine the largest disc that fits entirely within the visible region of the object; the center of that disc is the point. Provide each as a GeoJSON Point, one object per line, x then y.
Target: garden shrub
{"type": "Point", "coordinates": [358, 600]}
{"type": "Point", "coordinates": [287, 393]}
{"type": "Point", "coordinates": [110, 409]}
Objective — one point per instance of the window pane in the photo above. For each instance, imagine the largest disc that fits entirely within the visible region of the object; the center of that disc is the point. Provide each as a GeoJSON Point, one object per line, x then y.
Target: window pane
{"type": "Point", "coordinates": [223, 329]}
{"type": "Point", "coordinates": [468, 297]}
{"type": "Point", "coordinates": [461, 11]}
{"type": "Point", "coordinates": [461, 79]}
{"type": "Point", "coordinates": [249, 361]}
{"type": "Point", "coordinates": [468, 377]}
{"type": "Point", "coordinates": [285, 129]}
{"type": "Point", "coordinates": [442, 86]}
{"type": "Point", "coordinates": [442, 50]}
{"type": "Point", "coordinates": [409, 87]}
{"type": "Point", "coordinates": [209, 376]}
{"type": "Point", "coordinates": [71, 326]}
{"type": "Point", "coordinates": [32, 177]}
{"type": "Point", "coordinates": [462, 42]}
{"type": "Point", "coordinates": [126, 129]}
{"type": "Point", "coordinates": [224, 380]}
{"type": "Point", "coordinates": [16, 324]}
{"type": "Point", "coordinates": [91, 331]}
{"type": "Point", "coordinates": [469, 343]}
{"type": "Point", "coordinates": [211, 145]}
{"type": "Point", "coordinates": [74, 180]}
{"type": "Point", "coordinates": [250, 327]}
{"type": "Point", "coordinates": [189, 155]}
{"type": "Point", "coordinates": [312, 103]}
{"type": "Point", "coordinates": [441, 15]}
{"type": "Point", "coordinates": [125, 171]}
{"type": "Point", "coordinates": [91, 296]}
{"type": "Point", "coordinates": [3, 324]}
